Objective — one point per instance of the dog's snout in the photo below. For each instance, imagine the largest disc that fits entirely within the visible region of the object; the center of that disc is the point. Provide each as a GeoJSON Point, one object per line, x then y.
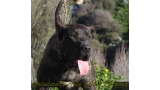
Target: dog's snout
{"type": "Point", "coordinates": [86, 48]}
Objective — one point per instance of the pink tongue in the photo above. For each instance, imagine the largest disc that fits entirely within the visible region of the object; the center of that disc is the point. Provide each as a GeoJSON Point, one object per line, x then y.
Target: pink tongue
{"type": "Point", "coordinates": [83, 67]}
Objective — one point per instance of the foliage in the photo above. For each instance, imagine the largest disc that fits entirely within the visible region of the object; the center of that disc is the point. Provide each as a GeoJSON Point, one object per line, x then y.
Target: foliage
{"type": "Point", "coordinates": [104, 4]}
{"type": "Point", "coordinates": [121, 13]}
{"type": "Point", "coordinates": [104, 78]}
{"type": "Point", "coordinates": [53, 88]}
{"type": "Point", "coordinates": [109, 32]}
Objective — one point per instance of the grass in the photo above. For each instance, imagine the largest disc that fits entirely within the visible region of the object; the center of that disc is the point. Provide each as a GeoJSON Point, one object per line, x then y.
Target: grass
{"type": "Point", "coordinates": [121, 65]}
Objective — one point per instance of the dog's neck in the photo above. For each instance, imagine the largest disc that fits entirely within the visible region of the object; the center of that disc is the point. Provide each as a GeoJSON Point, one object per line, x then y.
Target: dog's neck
{"type": "Point", "coordinates": [62, 55]}
{"type": "Point", "coordinates": [60, 52]}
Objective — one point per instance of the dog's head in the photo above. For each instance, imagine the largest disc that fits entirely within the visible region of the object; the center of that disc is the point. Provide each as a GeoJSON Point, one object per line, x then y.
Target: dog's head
{"type": "Point", "coordinates": [74, 40]}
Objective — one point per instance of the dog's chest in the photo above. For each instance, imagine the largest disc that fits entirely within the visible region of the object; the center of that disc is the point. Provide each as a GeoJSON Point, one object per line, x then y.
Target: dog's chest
{"type": "Point", "coordinates": [74, 74]}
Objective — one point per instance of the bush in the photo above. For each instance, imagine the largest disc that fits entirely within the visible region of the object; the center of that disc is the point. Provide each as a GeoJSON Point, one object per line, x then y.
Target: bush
{"type": "Point", "coordinates": [109, 32]}
{"type": "Point", "coordinates": [104, 78]}
{"type": "Point", "coordinates": [53, 88]}
{"type": "Point", "coordinates": [104, 4]}
{"type": "Point", "coordinates": [121, 13]}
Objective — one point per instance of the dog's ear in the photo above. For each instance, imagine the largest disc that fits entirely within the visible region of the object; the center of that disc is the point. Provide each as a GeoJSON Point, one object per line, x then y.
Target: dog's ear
{"type": "Point", "coordinates": [58, 22]}
{"type": "Point", "coordinates": [93, 28]}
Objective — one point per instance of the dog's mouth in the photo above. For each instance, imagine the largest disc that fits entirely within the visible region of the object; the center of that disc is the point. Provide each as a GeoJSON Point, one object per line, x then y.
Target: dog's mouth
{"type": "Point", "coordinates": [85, 58]}
{"type": "Point", "coordinates": [82, 64]}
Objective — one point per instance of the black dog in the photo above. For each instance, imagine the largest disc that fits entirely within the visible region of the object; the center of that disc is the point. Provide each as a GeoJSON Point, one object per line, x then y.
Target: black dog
{"type": "Point", "coordinates": [65, 63]}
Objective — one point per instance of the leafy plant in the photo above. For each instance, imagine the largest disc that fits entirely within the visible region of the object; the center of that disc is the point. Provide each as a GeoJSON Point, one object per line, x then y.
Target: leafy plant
{"type": "Point", "coordinates": [54, 88]}
{"type": "Point", "coordinates": [104, 78]}
{"type": "Point", "coordinates": [121, 13]}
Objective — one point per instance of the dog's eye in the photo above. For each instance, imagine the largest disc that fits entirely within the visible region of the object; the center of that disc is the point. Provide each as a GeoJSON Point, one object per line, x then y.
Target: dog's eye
{"type": "Point", "coordinates": [89, 37]}
{"type": "Point", "coordinates": [73, 35]}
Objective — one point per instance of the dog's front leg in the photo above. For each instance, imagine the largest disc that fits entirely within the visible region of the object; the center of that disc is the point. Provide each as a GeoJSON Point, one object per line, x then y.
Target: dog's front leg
{"type": "Point", "coordinates": [87, 84]}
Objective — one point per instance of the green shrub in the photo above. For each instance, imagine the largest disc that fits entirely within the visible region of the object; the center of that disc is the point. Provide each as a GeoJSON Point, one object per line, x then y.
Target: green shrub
{"type": "Point", "coordinates": [104, 4]}
{"type": "Point", "coordinates": [121, 13]}
{"type": "Point", "coordinates": [54, 88]}
{"type": "Point", "coordinates": [104, 78]}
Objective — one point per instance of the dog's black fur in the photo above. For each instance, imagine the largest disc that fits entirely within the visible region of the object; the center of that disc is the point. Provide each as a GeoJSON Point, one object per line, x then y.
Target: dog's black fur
{"type": "Point", "coordinates": [59, 63]}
